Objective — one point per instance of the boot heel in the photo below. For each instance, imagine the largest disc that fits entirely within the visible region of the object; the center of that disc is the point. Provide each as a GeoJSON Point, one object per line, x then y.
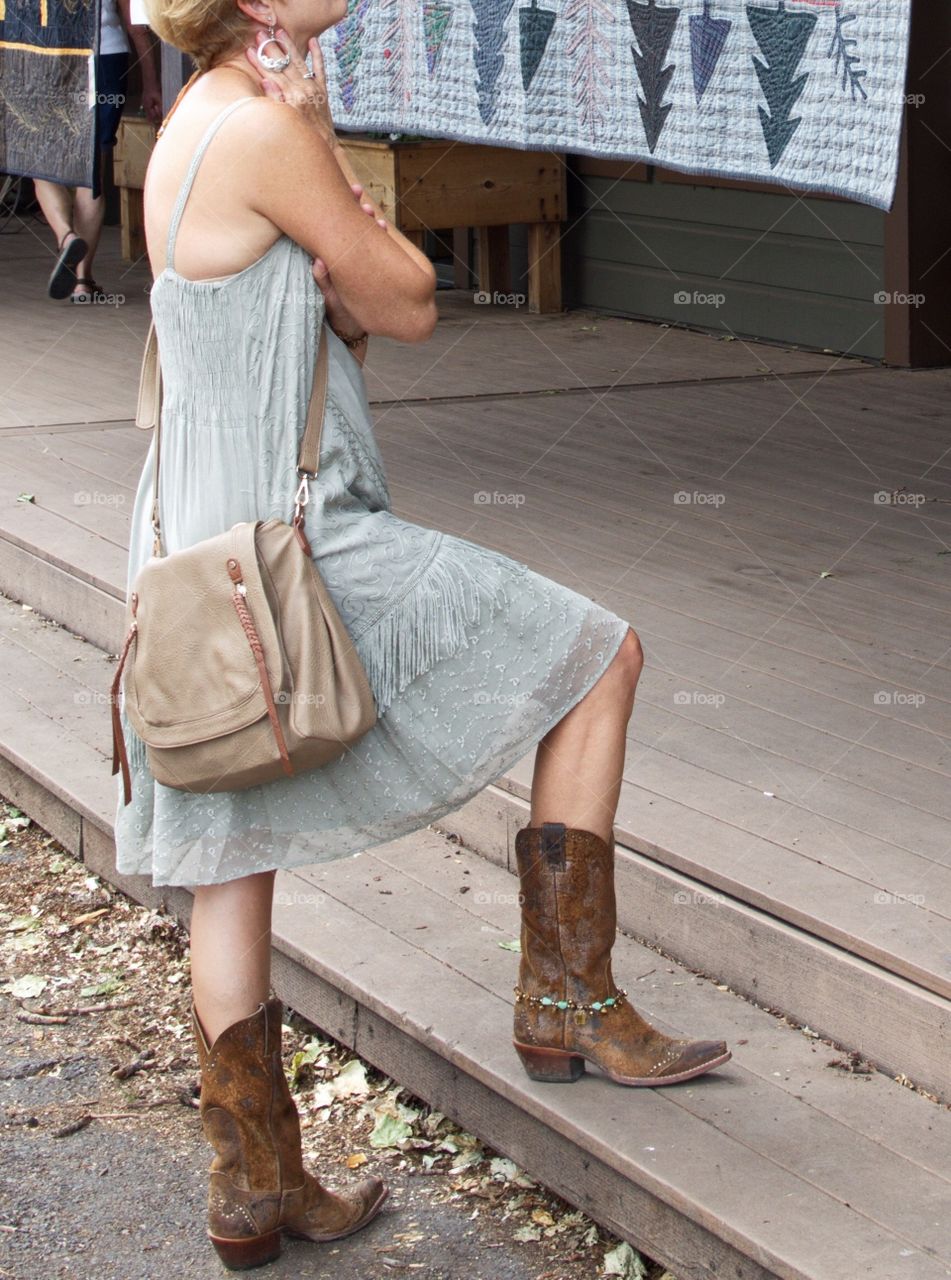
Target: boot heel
{"type": "Point", "coordinates": [551, 1066]}
{"type": "Point", "coordinates": [241, 1255]}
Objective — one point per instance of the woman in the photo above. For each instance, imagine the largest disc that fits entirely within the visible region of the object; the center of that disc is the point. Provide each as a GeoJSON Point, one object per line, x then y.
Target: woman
{"type": "Point", "coordinates": [256, 232]}
{"type": "Point", "coordinates": [75, 216]}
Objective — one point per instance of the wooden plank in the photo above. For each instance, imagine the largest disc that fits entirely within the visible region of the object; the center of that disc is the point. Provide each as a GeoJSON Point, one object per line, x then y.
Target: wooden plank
{"type": "Point", "coordinates": [613, 539]}
{"type": "Point", "coordinates": [727, 263]}
{"type": "Point", "coordinates": [736, 184]}
{"type": "Point", "coordinates": [918, 273]}
{"type": "Point", "coordinates": [544, 267]}
{"type": "Point", "coordinates": [132, 222]}
{"type": "Point", "coordinates": [599, 167]}
{"type": "Point", "coordinates": [93, 614]}
{"type": "Point", "coordinates": [135, 140]}
{"type": "Point", "coordinates": [780, 606]}
{"type": "Point", "coordinates": [599, 496]}
{"type": "Point", "coordinates": [835, 324]}
{"type": "Point", "coordinates": [791, 213]}
{"type": "Point", "coordinates": [448, 184]}
{"type": "Point", "coordinates": [493, 267]}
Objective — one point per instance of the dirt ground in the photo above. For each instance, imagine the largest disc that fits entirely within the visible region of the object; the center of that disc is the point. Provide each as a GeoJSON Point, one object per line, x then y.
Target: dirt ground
{"type": "Point", "coordinates": [102, 1155]}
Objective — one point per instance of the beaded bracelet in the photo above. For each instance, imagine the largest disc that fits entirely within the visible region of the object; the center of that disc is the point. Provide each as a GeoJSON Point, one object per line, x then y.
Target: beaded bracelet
{"type": "Point", "coordinates": [549, 1002]}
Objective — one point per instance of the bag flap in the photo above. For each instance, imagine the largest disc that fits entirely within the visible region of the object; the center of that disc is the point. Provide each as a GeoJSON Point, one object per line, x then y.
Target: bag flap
{"type": "Point", "coordinates": [192, 674]}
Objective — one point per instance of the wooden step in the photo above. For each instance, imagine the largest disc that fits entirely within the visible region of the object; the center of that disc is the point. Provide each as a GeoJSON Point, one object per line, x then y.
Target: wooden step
{"type": "Point", "coordinates": [805, 901]}
{"type": "Point", "coordinates": [776, 1165]}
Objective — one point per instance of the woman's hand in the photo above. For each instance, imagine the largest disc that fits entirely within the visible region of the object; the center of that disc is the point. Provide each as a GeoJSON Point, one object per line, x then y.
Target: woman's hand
{"type": "Point", "coordinates": [305, 91]}
{"type": "Point", "coordinates": [337, 314]}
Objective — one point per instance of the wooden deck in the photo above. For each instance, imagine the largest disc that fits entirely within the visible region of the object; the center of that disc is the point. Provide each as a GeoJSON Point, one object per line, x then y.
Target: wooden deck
{"type": "Point", "coordinates": [790, 743]}
{"type": "Point", "coordinates": [783, 822]}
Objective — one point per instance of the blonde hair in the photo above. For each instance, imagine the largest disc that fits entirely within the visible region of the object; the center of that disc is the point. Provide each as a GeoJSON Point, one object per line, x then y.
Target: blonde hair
{"type": "Point", "coordinates": [204, 29]}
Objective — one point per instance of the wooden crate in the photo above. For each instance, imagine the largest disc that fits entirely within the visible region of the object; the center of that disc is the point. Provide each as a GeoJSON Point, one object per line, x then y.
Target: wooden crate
{"type": "Point", "coordinates": [134, 142]}
{"type": "Point", "coordinates": [430, 183]}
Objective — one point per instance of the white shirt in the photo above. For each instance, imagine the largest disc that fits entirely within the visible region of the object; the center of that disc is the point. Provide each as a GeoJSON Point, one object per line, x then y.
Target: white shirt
{"type": "Point", "coordinates": [112, 36]}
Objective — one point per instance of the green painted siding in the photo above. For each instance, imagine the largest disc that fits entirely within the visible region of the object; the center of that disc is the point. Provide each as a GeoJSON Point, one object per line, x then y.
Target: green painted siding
{"type": "Point", "coordinates": [796, 270]}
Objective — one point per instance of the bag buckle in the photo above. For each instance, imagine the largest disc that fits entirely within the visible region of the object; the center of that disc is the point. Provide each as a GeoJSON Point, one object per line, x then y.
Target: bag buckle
{"type": "Point", "coordinates": [302, 496]}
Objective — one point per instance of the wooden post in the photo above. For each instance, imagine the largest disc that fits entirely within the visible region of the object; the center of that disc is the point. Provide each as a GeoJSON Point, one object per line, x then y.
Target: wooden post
{"type": "Point", "coordinates": [461, 266]}
{"type": "Point", "coordinates": [494, 268]}
{"type": "Point", "coordinates": [917, 238]}
{"type": "Point", "coordinates": [544, 267]}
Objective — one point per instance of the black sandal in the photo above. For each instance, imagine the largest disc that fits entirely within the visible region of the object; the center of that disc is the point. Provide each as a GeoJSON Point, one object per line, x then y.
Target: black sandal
{"type": "Point", "coordinates": [90, 293]}
{"type": "Point", "coordinates": [63, 276]}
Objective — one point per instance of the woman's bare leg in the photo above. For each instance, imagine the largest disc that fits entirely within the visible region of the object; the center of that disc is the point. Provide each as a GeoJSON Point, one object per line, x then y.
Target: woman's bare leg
{"type": "Point", "coordinates": [57, 204]}
{"type": "Point", "coordinates": [231, 950]}
{"type": "Point", "coordinates": [88, 216]}
{"type": "Point", "coordinates": [579, 763]}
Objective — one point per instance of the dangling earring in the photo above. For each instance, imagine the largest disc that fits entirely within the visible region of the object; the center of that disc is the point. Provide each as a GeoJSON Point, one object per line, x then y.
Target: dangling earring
{"type": "Point", "coordinates": [272, 64]}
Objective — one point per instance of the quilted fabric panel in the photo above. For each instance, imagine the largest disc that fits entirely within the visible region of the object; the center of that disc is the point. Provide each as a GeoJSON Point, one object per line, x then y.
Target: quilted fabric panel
{"type": "Point", "coordinates": [806, 93]}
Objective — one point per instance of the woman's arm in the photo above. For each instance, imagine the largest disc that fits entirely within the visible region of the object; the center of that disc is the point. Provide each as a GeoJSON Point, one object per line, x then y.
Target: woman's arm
{"type": "Point", "coordinates": [384, 281]}
{"type": "Point", "coordinates": [304, 184]}
{"type": "Point", "coordinates": [142, 43]}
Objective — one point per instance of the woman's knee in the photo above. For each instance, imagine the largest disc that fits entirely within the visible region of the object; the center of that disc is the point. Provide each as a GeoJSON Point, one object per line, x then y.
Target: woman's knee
{"type": "Point", "coordinates": [629, 660]}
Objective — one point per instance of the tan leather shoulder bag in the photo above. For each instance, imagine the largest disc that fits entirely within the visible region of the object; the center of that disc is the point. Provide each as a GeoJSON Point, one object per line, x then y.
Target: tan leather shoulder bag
{"type": "Point", "coordinates": [238, 667]}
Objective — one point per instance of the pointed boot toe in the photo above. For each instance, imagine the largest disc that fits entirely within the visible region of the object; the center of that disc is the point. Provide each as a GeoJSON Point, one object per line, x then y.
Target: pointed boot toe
{"type": "Point", "coordinates": [327, 1215]}
{"type": "Point", "coordinates": [698, 1056]}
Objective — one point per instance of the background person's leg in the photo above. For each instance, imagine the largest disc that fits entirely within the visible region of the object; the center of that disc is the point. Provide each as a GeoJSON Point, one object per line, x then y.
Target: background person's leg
{"type": "Point", "coordinates": [87, 222]}
{"type": "Point", "coordinates": [111, 76]}
{"type": "Point", "coordinates": [56, 203]}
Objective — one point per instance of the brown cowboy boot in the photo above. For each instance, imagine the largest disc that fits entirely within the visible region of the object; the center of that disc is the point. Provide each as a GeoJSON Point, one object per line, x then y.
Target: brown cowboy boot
{"type": "Point", "coordinates": [567, 1007]}
{"type": "Point", "coordinates": [258, 1185]}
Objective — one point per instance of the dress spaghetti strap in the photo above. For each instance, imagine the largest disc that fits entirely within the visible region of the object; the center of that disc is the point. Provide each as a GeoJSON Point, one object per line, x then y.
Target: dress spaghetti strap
{"type": "Point", "coordinates": [190, 175]}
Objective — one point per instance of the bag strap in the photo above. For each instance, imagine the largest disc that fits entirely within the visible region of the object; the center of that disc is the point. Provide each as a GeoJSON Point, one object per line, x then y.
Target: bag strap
{"type": "Point", "coordinates": [149, 414]}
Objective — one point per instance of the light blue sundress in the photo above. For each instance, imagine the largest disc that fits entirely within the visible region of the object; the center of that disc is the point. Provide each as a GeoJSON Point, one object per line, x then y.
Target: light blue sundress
{"type": "Point", "coordinates": [472, 656]}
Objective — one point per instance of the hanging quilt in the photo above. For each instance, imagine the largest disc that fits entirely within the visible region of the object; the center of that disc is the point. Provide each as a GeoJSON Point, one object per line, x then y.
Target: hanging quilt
{"type": "Point", "coordinates": [47, 50]}
{"type": "Point", "coordinates": [803, 93]}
